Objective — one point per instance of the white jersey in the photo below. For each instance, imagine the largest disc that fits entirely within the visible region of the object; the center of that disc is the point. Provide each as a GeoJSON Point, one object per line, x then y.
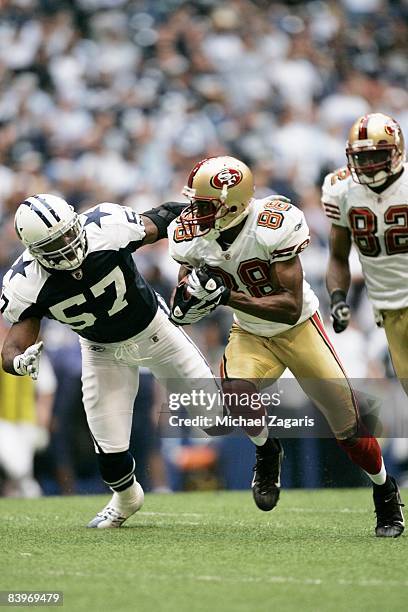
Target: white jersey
{"type": "Point", "coordinates": [379, 227]}
{"type": "Point", "coordinates": [274, 231]}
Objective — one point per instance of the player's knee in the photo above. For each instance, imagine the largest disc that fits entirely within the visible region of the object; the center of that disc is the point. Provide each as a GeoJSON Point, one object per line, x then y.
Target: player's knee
{"type": "Point", "coordinates": [347, 442]}
{"type": "Point", "coordinates": [351, 436]}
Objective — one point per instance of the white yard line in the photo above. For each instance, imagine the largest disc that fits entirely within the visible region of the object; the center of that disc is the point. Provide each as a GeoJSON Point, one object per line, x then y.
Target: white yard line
{"type": "Point", "coordinates": [328, 511]}
{"type": "Point", "coordinates": [243, 579]}
{"type": "Point", "coordinates": [290, 509]}
{"type": "Point", "coordinates": [194, 514]}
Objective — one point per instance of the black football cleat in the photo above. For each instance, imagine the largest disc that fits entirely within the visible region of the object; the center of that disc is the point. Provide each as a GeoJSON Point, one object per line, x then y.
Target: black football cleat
{"type": "Point", "coordinates": [266, 480]}
{"type": "Point", "coordinates": [388, 504]}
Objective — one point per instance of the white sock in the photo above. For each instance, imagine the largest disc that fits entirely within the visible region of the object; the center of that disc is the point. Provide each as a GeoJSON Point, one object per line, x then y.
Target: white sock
{"type": "Point", "coordinates": [380, 478]}
{"type": "Point", "coordinates": [260, 439]}
{"type": "Point", "coordinates": [128, 497]}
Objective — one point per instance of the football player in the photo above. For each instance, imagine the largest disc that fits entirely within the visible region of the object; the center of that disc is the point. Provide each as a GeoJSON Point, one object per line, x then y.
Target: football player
{"type": "Point", "coordinates": [79, 270]}
{"type": "Point", "coordinates": [367, 204]}
{"type": "Point", "coordinates": [251, 250]}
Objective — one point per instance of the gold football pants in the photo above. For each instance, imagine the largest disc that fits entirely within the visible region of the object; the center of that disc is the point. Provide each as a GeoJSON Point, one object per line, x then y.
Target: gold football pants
{"type": "Point", "coordinates": [306, 350]}
{"type": "Point", "coordinates": [396, 330]}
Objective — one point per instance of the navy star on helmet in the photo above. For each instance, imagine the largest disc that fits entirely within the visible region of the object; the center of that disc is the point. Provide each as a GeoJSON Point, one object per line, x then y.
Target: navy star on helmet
{"type": "Point", "coordinates": [52, 232]}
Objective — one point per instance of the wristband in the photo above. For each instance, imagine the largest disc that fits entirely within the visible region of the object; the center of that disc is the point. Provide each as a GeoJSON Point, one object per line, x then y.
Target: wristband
{"type": "Point", "coordinates": [338, 295]}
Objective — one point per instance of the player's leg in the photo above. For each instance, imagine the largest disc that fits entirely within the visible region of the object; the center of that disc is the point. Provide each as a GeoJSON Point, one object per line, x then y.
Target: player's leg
{"type": "Point", "coordinates": [173, 358]}
{"type": "Point", "coordinates": [176, 362]}
{"type": "Point", "coordinates": [396, 330]}
{"type": "Point", "coordinates": [246, 363]}
{"type": "Point", "coordinates": [182, 371]}
{"type": "Point", "coordinates": [308, 353]}
{"type": "Point", "coordinates": [109, 389]}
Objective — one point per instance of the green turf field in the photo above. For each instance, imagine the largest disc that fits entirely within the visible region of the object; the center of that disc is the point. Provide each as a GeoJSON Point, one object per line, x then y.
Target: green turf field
{"type": "Point", "coordinates": [209, 552]}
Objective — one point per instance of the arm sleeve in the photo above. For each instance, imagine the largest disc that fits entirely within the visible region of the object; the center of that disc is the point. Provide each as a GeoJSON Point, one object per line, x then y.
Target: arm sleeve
{"type": "Point", "coordinates": [15, 308]}
{"type": "Point", "coordinates": [295, 237]}
{"type": "Point", "coordinates": [181, 247]}
{"type": "Point", "coordinates": [125, 228]}
{"type": "Point", "coordinates": [132, 229]}
{"type": "Point", "coordinates": [332, 199]}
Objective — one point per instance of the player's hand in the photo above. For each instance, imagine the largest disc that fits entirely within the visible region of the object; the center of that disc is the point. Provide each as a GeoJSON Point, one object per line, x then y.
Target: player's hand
{"type": "Point", "coordinates": [186, 308]}
{"type": "Point", "coordinates": [340, 311]}
{"type": "Point", "coordinates": [29, 361]}
{"type": "Point", "coordinates": [204, 286]}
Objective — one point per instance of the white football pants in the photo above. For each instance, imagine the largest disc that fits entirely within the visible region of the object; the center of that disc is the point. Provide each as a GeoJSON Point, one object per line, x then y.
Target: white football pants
{"type": "Point", "coordinates": [110, 378]}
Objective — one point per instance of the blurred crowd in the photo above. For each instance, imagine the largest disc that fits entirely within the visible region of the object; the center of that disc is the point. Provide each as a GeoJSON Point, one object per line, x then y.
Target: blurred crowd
{"type": "Point", "coordinates": [115, 100]}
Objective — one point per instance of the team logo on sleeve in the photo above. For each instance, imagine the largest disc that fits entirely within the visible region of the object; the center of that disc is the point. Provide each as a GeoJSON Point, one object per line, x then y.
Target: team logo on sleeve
{"type": "Point", "coordinates": [339, 175]}
{"type": "Point", "coordinates": [390, 127]}
{"type": "Point", "coordinates": [228, 176]}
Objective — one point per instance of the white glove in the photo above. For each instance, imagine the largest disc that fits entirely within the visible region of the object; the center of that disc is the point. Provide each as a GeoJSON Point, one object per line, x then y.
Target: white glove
{"type": "Point", "coordinates": [195, 313]}
{"type": "Point", "coordinates": [198, 290]}
{"type": "Point", "coordinates": [196, 296]}
{"type": "Point", "coordinates": [29, 361]}
{"type": "Point", "coordinates": [207, 288]}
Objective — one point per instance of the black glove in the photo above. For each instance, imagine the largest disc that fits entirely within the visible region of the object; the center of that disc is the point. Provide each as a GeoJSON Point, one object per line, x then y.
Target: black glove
{"type": "Point", "coordinates": [340, 311]}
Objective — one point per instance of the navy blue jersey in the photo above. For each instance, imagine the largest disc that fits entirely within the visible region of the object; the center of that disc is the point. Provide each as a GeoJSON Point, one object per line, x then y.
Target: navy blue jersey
{"type": "Point", "coordinates": [108, 301]}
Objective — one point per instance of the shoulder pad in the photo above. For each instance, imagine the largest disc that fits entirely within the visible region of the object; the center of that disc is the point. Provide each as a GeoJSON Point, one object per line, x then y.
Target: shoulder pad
{"type": "Point", "coordinates": [275, 214]}
{"type": "Point", "coordinates": [21, 286]}
{"type": "Point", "coordinates": [108, 213]}
{"type": "Point", "coordinates": [337, 183]}
{"type": "Point", "coordinates": [182, 245]}
{"type": "Point", "coordinates": [113, 226]}
{"type": "Point", "coordinates": [283, 233]}
{"type": "Point", "coordinates": [339, 175]}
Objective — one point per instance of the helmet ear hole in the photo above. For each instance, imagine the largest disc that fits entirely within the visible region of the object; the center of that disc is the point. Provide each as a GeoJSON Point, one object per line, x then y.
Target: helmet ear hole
{"type": "Point", "coordinates": [233, 208]}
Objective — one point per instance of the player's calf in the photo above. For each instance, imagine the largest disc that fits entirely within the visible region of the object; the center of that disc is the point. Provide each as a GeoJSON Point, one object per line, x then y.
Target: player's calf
{"type": "Point", "coordinates": [117, 470]}
{"type": "Point", "coordinates": [269, 452]}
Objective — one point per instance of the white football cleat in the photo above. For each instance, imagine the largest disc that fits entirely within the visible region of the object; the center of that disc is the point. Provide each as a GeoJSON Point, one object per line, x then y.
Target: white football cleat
{"type": "Point", "coordinates": [115, 513]}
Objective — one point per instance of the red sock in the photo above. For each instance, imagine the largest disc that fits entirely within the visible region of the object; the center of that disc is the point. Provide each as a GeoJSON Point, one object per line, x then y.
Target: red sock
{"type": "Point", "coordinates": [364, 452]}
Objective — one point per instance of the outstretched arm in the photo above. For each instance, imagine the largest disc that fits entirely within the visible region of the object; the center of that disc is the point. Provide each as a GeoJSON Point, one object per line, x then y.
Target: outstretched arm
{"type": "Point", "coordinates": [156, 220]}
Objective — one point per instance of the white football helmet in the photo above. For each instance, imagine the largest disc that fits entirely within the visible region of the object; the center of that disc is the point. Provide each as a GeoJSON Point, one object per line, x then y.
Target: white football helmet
{"type": "Point", "coordinates": [220, 190]}
{"type": "Point", "coordinates": [52, 232]}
